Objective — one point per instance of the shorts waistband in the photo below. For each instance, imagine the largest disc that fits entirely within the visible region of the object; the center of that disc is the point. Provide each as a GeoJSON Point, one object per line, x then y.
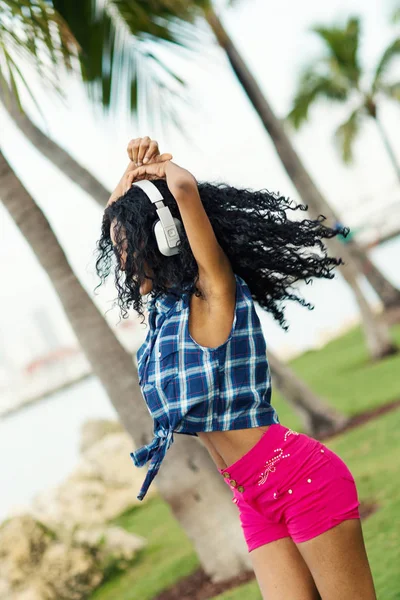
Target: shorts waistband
{"type": "Point", "coordinates": [267, 444]}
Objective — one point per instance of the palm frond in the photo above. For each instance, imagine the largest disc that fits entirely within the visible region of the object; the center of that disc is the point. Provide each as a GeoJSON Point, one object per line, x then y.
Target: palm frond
{"type": "Point", "coordinates": [10, 85]}
{"type": "Point", "coordinates": [158, 19]}
{"type": "Point", "coordinates": [33, 35]}
{"type": "Point", "coordinates": [313, 86]}
{"type": "Point", "coordinates": [347, 132]}
{"type": "Point", "coordinates": [391, 52]}
{"type": "Point", "coordinates": [122, 45]}
{"type": "Point", "coordinates": [343, 44]}
{"type": "Point", "coordinates": [396, 15]}
{"type": "Point", "coordinates": [392, 90]}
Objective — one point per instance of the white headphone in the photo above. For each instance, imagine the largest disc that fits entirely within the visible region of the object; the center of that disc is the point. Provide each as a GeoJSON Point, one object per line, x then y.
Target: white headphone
{"type": "Point", "coordinates": [167, 229]}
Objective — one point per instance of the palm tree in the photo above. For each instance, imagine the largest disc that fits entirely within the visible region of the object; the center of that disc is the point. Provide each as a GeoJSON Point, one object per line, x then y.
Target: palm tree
{"type": "Point", "coordinates": [114, 36]}
{"type": "Point", "coordinates": [338, 76]}
{"type": "Point", "coordinates": [196, 503]}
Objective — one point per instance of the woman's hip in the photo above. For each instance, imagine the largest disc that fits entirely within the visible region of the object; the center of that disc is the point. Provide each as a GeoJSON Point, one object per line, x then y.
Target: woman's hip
{"type": "Point", "coordinates": [282, 461]}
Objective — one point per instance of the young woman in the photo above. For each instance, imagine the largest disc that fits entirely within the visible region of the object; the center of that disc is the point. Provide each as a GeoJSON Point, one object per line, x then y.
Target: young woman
{"type": "Point", "coordinates": [203, 368]}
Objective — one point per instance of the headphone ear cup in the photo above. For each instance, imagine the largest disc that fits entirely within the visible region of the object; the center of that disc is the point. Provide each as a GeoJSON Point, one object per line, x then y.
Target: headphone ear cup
{"type": "Point", "coordinates": [161, 239]}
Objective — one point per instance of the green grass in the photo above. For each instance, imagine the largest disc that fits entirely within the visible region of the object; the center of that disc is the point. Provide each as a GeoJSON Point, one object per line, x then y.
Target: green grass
{"type": "Point", "coordinates": [168, 556]}
{"type": "Point", "coordinates": [342, 374]}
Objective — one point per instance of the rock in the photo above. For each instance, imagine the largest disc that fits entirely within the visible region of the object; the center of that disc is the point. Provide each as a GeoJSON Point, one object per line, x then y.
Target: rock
{"type": "Point", "coordinates": [103, 486]}
{"type": "Point", "coordinates": [109, 461]}
{"type": "Point", "coordinates": [33, 593]}
{"type": "Point", "coordinates": [68, 573]}
{"type": "Point", "coordinates": [63, 550]}
{"type": "Point", "coordinates": [93, 431]}
{"type": "Point", "coordinates": [115, 548]}
{"type": "Point", "coordinates": [70, 503]}
{"type": "Point", "coordinates": [23, 542]}
{"type": "Point", "coordinates": [38, 564]}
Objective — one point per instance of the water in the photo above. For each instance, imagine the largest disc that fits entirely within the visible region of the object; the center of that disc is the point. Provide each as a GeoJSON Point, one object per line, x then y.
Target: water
{"type": "Point", "coordinates": [39, 446]}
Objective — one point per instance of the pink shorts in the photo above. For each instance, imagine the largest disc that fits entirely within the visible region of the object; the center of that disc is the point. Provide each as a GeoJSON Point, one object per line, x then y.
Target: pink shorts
{"type": "Point", "coordinates": [290, 485]}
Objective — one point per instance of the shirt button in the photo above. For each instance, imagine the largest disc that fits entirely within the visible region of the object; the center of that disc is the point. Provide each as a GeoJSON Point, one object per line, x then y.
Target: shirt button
{"type": "Point", "coordinates": [226, 475]}
{"type": "Point", "coordinates": [232, 482]}
{"type": "Point", "coordinates": [159, 355]}
{"type": "Point", "coordinates": [240, 489]}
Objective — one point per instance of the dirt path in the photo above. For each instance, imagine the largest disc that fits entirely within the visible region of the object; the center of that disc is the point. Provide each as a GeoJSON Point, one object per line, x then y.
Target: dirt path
{"type": "Point", "coordinates": [364, 417]}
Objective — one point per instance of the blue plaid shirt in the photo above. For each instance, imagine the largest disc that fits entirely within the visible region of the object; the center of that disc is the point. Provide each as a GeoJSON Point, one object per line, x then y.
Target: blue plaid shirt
{"type": "Point", "coordinates": [190, 388]}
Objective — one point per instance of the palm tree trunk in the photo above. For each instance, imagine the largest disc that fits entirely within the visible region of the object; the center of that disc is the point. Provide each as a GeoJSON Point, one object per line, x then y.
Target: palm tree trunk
{"type": "Point", "coordinates": [376, 331]}
{"type": "Point", "coordinates": [307, 189]}
{"type": "Point", "coordinates": [387, 145]}
{"type": "Point", "coordinates": [53, 152]}
{"type": "Point", "coordinates": [388, 294]}
{"type": "Point", "coordinates": [188, 480]}
{"type": "Point", "coordinates": [317, 417]}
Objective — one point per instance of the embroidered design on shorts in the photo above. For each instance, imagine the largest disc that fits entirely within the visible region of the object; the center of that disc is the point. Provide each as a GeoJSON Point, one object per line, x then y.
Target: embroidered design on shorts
{"type": "Point", "coordinates": [270, 464]}
{"type": "Point", "coordinates": [289, 432]}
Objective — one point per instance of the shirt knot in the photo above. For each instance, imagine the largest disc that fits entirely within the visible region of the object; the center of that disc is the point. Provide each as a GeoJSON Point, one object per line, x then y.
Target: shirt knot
{"type": "Point", "coordinates": [156, 449]}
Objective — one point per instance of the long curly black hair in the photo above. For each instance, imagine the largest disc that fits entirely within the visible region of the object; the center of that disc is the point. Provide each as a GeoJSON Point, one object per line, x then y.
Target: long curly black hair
{"type": "Point", "coordinates": [267, 249]}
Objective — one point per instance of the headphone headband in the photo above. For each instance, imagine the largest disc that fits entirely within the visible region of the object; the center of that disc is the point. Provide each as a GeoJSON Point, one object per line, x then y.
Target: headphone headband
{"type": "Point", "coordinates": [151, 191]}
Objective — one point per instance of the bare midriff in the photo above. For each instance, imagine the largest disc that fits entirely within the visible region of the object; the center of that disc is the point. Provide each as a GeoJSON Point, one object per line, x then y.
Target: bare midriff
{"type": "Point", "coordinates": [226, 447]}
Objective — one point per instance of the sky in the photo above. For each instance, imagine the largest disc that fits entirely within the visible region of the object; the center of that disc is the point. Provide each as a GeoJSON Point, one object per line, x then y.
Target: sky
{"type": "Point", "coordinates": [223, 140]}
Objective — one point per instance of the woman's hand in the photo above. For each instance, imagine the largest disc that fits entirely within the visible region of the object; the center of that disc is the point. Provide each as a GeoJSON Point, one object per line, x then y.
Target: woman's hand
{"type": "Point", "coordinates": [144, 150]}
{"type": "Point", "coordinates": [155, 170]}
{"type": "Point", "coordinates": [141, 150]}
